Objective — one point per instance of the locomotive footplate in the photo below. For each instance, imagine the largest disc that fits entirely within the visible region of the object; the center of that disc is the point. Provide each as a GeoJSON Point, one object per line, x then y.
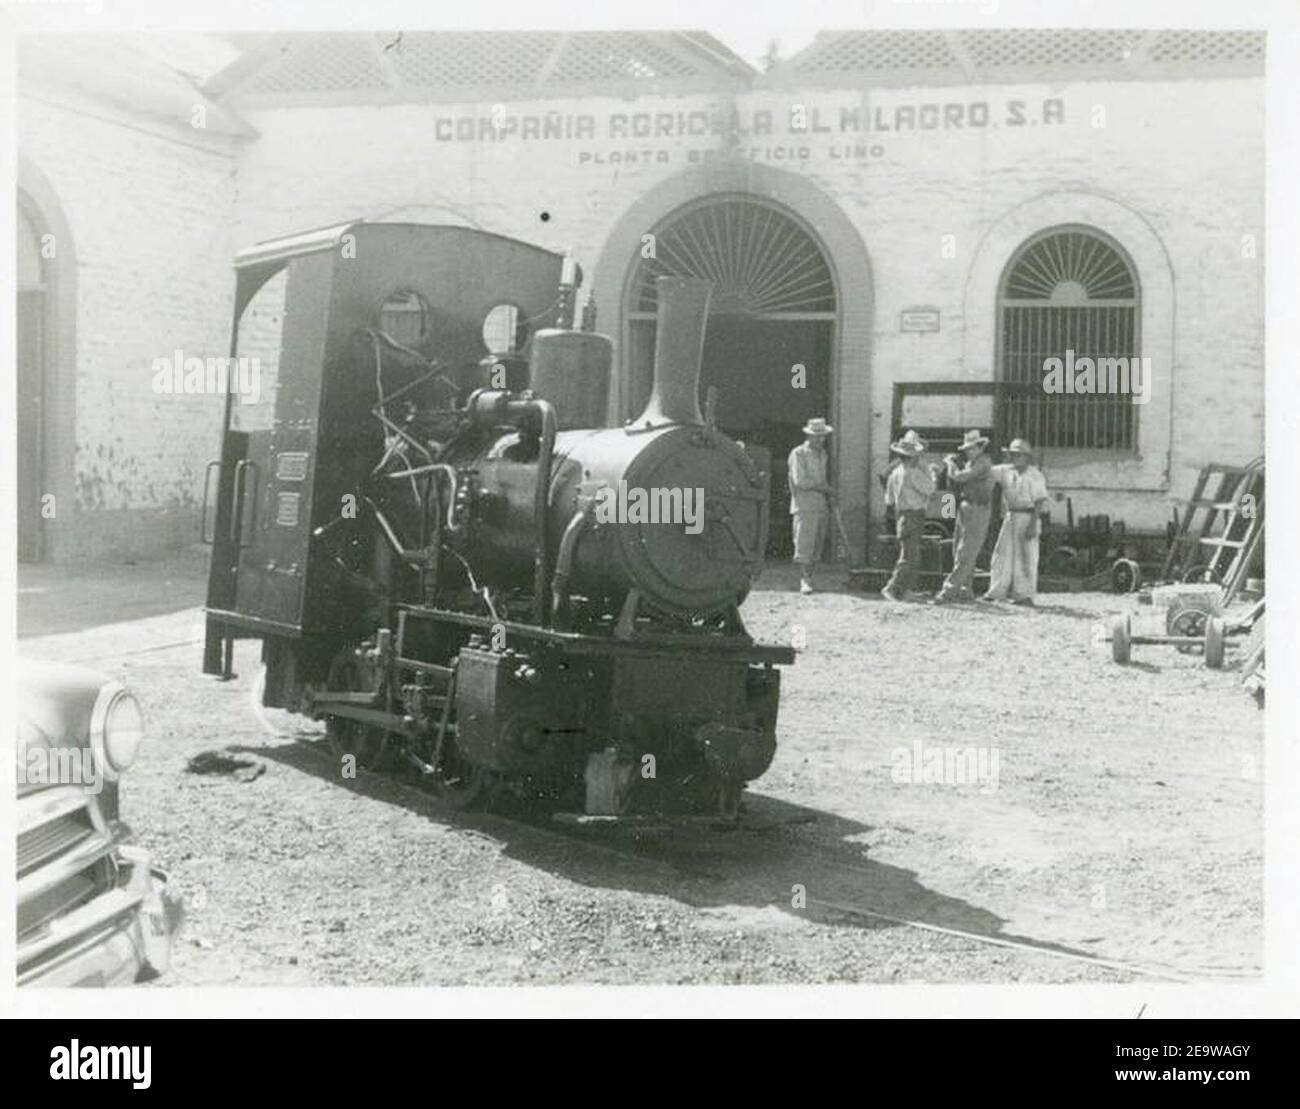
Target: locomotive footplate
{"type": "Point", "coordinates": [734, 647]}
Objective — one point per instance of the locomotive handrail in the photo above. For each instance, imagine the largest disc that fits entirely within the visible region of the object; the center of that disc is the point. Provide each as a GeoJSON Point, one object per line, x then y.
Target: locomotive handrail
{"type": "Point", "coordinates": [204, 537]}
{"type": "Point", "coordinates": [545, 457]}
{"type": "Point", "coordinates": [564, 561]}
{"type": "Point", "coordinates": [240, 501]}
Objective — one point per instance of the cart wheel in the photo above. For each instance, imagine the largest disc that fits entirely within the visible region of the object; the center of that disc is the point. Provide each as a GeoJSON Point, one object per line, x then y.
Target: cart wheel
{"type": "Point", "coordinates": [1125, 576]}
{"type": "Point", "coordinates": [1189, 622]}
{"type": "Point", "coordinates": [1121, 638]}
{"type": "Point", "coordinates": [1215, 632]}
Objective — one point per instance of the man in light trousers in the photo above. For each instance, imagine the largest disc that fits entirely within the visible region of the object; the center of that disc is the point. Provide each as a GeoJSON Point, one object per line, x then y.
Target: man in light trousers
{"type": "Point", "coordinates": [811, 498]}
{"type": "Point", "coordinates": [974, 482]}
{"type": "Point", "coordinates": [907, 491]}
{"type": "Point", "coordinates": [1013, 574]}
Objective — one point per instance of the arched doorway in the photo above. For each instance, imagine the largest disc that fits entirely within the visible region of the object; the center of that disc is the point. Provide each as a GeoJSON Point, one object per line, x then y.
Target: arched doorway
{"type": "Point", "coordinates": [32, 347]}
{"type": "Point", "coordinates": [46, 370]}
{"type": "Point", "coordinates": [769, 347]}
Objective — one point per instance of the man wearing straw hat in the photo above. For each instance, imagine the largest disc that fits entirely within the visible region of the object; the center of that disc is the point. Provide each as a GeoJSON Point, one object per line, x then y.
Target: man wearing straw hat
{"type": "Point", "coordinates": [811, 498]}
{"type": "Point", "coordinates": [907, 490]}
{"type": "Point", "coordinates": [1013, 574]}
{"type": "Point", "coordinates": [974, 483]}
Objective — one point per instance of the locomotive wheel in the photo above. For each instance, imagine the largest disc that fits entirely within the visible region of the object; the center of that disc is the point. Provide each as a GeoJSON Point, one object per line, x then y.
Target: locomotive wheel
{"type": "Point", "coordinates": [364, 742]}
{"type": "Point", "coordinates": [1215, 635]}
{"type": "Point", "coordinates": [464, 785]}
{"type": "Point", "coordinates": [1121, 639]}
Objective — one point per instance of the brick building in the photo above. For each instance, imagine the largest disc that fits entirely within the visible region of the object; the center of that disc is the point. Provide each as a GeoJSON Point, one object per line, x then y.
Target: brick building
{"type": "Point", "coordinates": [125, 211]}
{"type": "Point", "coordinates": [883, 207]}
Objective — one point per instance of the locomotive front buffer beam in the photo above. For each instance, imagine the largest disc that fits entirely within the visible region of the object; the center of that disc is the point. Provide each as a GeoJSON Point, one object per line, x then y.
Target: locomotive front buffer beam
{"type": "Point", "coordinates": [632, 726]}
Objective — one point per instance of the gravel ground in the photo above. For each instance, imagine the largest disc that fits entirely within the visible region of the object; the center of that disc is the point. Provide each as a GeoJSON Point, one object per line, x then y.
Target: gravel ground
{"type": "Point", "coordinates": [1126, 823]}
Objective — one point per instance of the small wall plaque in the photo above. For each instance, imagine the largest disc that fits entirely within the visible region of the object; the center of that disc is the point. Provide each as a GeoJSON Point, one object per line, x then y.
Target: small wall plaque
{"type": "Point", "coordinates": [919, 319]}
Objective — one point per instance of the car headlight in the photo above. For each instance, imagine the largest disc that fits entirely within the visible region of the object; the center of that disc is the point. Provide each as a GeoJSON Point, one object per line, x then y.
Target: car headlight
{"type": "Point", "coordinates": [116, 728]}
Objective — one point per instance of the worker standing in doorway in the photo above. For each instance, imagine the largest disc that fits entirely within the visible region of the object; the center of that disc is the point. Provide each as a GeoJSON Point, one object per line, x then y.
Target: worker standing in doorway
{"type": "Point", "coordinates": [811, 498]}
{"type": "Point", "coordinates": [1013, 574]}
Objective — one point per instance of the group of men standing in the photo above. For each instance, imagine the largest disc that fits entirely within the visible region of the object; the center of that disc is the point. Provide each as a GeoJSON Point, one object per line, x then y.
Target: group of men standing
{"type": "Point", "coordinates": [909, 487]}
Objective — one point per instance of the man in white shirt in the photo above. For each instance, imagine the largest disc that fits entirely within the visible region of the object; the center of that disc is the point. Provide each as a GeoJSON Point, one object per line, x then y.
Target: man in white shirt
{"type": "Point", "coordinates": [811, 498]}
{"type": "Point", "coordinates": [1013, 573]}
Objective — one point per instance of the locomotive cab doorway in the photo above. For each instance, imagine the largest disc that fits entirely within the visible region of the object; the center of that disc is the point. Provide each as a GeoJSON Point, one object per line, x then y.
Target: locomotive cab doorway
{"type": "Point", "coordinates": [768, 348]}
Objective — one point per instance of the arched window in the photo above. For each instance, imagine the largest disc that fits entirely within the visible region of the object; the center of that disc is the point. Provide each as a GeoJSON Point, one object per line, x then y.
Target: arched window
{"type": "Point", "coordinates": [1069, 293]}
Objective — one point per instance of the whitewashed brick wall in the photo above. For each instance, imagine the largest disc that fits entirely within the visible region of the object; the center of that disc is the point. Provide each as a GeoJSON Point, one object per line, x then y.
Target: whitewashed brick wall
{"type": "Point", "coordinates": [150, 208]}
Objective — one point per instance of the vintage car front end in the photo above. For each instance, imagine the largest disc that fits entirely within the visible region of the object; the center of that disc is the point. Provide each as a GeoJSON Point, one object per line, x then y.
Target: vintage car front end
{"type": "Point", "coordinates": [90, 905]}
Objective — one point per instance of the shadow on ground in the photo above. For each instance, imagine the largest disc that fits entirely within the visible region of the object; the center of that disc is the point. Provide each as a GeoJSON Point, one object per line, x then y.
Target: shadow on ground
{"type": "Point", "coordinates": [777, 847]}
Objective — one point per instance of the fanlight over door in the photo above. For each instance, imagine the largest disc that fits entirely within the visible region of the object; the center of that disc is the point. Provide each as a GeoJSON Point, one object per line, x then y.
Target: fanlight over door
{"type": "Point", "coordinates": [760, 260]}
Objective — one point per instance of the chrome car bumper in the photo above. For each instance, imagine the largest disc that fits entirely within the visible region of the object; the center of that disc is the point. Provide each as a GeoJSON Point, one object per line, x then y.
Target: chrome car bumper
{"type": "Point", "coordinates": [91, 909]}
{"type": "Point", "coordinates": [121, 937]}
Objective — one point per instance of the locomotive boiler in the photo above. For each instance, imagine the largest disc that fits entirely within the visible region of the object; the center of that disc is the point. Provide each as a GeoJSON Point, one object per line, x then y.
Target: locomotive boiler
{"type": "Point", "coordinates": [454, 560]}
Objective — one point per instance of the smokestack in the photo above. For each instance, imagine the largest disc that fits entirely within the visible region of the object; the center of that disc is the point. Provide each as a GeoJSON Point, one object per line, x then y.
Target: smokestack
{"type": "Point", "coordinates": [679, 348]}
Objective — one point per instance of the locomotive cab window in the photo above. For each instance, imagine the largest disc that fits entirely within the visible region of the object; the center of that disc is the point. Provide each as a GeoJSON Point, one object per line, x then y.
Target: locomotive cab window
{"type": "Point", "coordinates": [505, 330]}
{"type": "Point", "coordinates": [405, 318]}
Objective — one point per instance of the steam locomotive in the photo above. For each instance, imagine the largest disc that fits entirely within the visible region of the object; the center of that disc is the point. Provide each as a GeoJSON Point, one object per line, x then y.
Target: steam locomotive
{"type": "Point", "coordinates": [453, 560]}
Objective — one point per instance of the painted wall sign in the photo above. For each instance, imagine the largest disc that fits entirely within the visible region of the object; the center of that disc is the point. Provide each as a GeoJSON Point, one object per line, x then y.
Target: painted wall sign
{"type": "Point", "coordinates": [497, 124]}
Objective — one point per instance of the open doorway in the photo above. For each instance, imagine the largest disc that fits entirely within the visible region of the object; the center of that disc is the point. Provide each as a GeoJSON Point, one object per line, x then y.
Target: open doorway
{"type": "Point", "coordinates": [768, 348]}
